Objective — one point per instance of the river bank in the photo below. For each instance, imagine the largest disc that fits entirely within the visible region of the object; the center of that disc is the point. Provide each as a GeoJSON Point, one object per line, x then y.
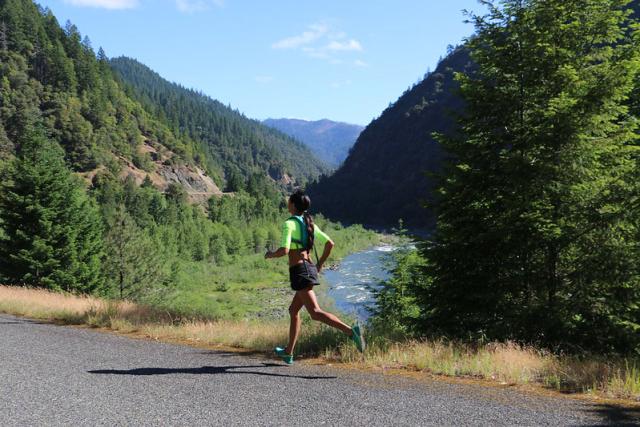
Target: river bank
{"type": "Point", "coordinates": [352, 284]}
{"type": "Point", "coordinates": [249, 286]}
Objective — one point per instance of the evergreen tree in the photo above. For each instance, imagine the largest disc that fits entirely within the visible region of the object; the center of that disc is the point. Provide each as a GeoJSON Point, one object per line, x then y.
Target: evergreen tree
{"type": "Point", "coordinates": [101, 56]}
{"type": "Point", "coordinates": [396, 308]}
{"type": "Point", "coordinates": [4, 40]}
{"type": "Point", "coordinates": [132, 263]}
{"type": "Point", "coordinates": [52, 231]}
{"type": "Point", "coordinates": [537, 235]}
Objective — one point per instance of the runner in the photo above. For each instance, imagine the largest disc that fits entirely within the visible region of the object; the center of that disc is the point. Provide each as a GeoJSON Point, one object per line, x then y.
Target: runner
{"type": "Point", "coordinates": [299, 234]}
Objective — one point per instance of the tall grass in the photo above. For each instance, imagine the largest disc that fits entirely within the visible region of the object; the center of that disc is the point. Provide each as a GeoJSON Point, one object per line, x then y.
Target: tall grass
{"type": "Point", "coordinates": [505, 363]}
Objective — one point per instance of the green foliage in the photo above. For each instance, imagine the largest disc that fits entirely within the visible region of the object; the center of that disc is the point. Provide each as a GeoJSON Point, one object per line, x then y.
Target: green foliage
{"type": "Point", "coordinates": [397, 310]}
{"type": "Point", "coordinates": [132, 266]}
{"type": "Point", "coordinates": [52, 230]}
{"type": "Point", "coordinates": [537, 235]}
{"type": "Point", "coordinates": [50, 75]}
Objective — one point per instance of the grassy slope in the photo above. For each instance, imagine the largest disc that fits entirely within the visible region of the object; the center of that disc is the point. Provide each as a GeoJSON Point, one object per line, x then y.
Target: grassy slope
{"type": "Point", "coordinates": [249, 286]}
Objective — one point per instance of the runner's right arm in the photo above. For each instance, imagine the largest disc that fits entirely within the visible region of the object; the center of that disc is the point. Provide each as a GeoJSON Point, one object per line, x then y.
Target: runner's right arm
{"type": "Point", "coordinates": [320, 236]}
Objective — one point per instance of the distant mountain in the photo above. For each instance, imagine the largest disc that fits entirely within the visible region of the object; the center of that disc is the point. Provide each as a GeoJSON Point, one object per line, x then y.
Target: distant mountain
{"type": "Point", "coordinates": [385, 177]}
{"type": "Point", "coordinates": [234, 146]}
{"type": "Point", "coordinates": [329, 140]}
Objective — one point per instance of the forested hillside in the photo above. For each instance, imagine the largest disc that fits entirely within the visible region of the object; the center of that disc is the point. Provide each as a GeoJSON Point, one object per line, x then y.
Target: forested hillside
{"type": "Point", "coordinates": [51, 76]}
{"type": "Point", "coordinates": [385, 176]}
{"type": "Point", "coordinates": [329, 140]}
{"type": "Point", "coordinates": [232, 144]}
{"type": "Point", "coordinates": [97, 180]}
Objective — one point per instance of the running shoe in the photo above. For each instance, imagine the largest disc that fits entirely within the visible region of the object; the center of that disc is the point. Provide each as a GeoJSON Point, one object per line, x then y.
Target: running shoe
{"type": "Point", "coordinates": [358, 338]}
{"type": "Point", "coordinates": [286, 358]}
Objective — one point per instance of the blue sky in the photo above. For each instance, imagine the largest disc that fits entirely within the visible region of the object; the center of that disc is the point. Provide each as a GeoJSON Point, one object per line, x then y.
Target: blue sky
{"type": "Point", "coordinates": [345, 60]}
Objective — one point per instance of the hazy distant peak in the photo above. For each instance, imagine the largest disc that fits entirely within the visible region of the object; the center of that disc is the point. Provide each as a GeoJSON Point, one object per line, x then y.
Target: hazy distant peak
{"type": "Point", "coordinates": [328, 139]}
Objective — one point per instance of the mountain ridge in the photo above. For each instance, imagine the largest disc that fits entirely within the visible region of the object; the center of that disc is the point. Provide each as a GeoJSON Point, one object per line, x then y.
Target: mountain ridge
{"type": "Point", "coordinates": [384, 178]}
{"type": "Point", "coordinates": [329, 140]}
{"type": "Point", "coordinates": [234, 144]}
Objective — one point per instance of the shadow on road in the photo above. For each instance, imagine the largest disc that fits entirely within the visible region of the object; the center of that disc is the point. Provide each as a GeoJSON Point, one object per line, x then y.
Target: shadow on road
{"type": "Point", "coordinates": [22, 322]}
{"type": "Point", "coordinates": [240, 353]}
{"type": "Point", "coordinates": [207, 370]}
{"type": "Point", "coordinates": [617, 415]}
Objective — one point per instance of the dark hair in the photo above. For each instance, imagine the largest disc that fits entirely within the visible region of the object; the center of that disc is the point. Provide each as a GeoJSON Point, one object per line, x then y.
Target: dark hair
{"type": "Point", "coordinates": [302, 202]}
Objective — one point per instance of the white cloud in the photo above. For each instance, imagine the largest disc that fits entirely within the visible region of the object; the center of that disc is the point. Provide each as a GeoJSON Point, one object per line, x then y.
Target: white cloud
{"type": "Point", "coordinates": [360, 63]}
{"type": "Point", "coordinates": [191, 6]}
{"type": "Point", "coordinates": [321, 42]}
{"type": "Point", "coordinates": [187, 6]}
{"type": "Point", "coordinates": [347, 45]}
{"type": "Point", "coordinates": [314, 33]}
{"type": "Point", "coordinates": [105, 4]}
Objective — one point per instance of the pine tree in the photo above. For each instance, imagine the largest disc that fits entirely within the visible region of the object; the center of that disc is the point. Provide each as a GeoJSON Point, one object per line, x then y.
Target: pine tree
{"type": "Point", "coordinates": [52, 231]}
{"type": "Point", "coordinates": [102, 56]}
{"type": "Point", "coordinates": [132, 264]}
{"type": "Point", "coordinates": [537, 226]}
{"type": "Point", "coordinates": [4, 40]}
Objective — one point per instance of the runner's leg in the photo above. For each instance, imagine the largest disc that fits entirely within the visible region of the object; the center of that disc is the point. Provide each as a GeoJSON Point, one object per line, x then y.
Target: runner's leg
{"type": "Point", "coordinates": [308, 298]}
{"type": "Point", "coordinates": [296, 321]}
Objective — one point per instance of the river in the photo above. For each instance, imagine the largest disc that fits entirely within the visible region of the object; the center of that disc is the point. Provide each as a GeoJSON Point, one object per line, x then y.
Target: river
{"type": "Point", "coordinates": [351, 284]}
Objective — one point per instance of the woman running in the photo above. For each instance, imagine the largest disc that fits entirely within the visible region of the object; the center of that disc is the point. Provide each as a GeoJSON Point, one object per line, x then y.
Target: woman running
{"type": "Point", "coordinates": [298, 236]}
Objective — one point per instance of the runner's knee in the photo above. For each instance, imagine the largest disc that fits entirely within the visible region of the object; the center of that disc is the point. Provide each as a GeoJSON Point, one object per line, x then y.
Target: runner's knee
{"type": "Point", "coordinates": [293, 311]}
{"type": "Point", "coordinates": [317, 314]}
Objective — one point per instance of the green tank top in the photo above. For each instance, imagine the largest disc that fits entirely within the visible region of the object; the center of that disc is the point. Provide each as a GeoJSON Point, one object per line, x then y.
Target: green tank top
{"type": "Point", "coordinates": [294, 234]}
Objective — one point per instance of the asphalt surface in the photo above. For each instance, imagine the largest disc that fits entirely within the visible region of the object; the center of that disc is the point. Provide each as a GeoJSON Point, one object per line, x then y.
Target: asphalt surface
{"type": "Point", "coordinates": [53, 375]}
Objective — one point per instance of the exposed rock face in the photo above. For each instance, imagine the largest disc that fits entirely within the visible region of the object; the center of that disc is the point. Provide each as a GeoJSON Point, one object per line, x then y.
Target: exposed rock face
{"type": "Point", "coordinates": [287, 181]}
{"type": "Point", "coordinates": [198, 185]}
{"type": "Point", "coordinates": [193, 180]}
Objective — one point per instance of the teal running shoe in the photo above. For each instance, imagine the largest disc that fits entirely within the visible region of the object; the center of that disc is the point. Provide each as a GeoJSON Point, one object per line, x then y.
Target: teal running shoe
{"type": "Point", "coordinates": [286, 358]}
{"type": "Point", "coordinates": [358, 338]}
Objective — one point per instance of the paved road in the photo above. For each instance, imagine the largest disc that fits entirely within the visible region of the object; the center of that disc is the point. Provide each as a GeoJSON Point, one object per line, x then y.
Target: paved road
{"type": "Point", "coordinates": [52, 375]}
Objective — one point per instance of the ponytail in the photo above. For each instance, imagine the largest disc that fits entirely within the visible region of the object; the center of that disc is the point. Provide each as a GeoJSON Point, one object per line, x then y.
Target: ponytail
{"type": "Point", "coordinates": [302, 202]}
{"type": "Point", "coordinates": [308, 219]}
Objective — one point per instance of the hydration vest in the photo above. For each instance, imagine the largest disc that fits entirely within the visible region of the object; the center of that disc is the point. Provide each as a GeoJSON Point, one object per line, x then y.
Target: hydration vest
{"type": "Point", "coordinates": [305, 236]}
{"type": "Point", "coordinates": [303, 227]}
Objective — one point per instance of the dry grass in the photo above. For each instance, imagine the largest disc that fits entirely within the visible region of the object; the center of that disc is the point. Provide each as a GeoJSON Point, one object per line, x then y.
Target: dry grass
{"type": "Point", "coordinates": [124, 316]}
{"type": "Point", "coordinates": [506, 363]}
{"type": "Point", "coordinates": [39, 304]}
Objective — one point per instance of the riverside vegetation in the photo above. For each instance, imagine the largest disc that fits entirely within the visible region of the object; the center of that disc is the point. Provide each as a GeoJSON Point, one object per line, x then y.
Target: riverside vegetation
{"type": "Point", "coordinates": [538, 221]}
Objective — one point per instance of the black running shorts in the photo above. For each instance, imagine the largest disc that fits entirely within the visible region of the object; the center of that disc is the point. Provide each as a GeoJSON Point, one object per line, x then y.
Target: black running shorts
{"type": "Point", "coordinates": [303, 275]}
